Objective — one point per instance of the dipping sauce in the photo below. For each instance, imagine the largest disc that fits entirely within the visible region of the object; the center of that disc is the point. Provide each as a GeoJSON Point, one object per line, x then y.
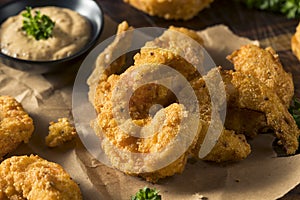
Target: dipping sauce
{"type": "Point", "coordinates": [70, 34]}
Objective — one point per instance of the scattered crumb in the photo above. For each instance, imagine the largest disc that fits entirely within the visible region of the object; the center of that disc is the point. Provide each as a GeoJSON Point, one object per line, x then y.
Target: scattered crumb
{"type": "Point", "coordinates": [60, 132]}
{"type": "Point", "coordinates": [200, 197]}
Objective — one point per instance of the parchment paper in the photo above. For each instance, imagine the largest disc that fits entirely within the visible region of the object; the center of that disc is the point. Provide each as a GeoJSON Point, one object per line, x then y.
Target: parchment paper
{"type": "Point", "coordinates": [47, 97]}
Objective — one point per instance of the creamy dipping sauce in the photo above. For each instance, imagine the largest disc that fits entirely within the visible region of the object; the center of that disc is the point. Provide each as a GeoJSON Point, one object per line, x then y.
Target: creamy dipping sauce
{"type": "Point", "coordinates": [70, 34]}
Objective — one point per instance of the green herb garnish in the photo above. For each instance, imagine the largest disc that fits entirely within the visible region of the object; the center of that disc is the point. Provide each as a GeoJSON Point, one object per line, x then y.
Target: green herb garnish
{"type": "Point", "coordinates": [147, 194]}
{"type": "Point", "coordinates": [38, 26]}
{"type": "Point", "coordinates": [295, 110]}
{"type": "Point", "coordinates": [290, 8]}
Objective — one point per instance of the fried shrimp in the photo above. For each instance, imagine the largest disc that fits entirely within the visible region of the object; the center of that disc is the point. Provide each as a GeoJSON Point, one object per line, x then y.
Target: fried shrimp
{"type": "Point", "coordinates": [170, 49]}
{"type": "Point", "coordinates": [149, 125]}
{"type": "Point", "coordinates": [121, 148]}
{"type": "Point", "coordinates": [163, 122]}
{"type": "Point", "coordinates": [251, 93]}
{"type": "Point", "coordinates": [264, 64]}
{"type": "Point", "coordinates": [15, 125]}
{"type": "Point", "coordinates": [230, 146]}
{"type": "Point", "coordinates": [164, 126]}
{"type": "Point", "coordinates": [33, 178]}
{"type": "Point", "coordinates": [170, 9]}
{"type": "Point", "coordinates": [295, 43]}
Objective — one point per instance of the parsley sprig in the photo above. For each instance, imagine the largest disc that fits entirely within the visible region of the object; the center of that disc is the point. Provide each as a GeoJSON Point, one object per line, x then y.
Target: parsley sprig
{"type": "Point", "coordinates": [38, 26]}
{"type": "Point", "coordinates": [290, 8]}
{"type": "Point", "coordinates": [147, 194]}
{"type": "Point", "coordinates": [295, 110]}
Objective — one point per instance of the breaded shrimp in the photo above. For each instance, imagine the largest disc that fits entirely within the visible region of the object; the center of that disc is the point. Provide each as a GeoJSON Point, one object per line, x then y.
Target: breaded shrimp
{"type": "Point", "coordinates": [33, 178]}
{"type": "Point", "coordinates": [264, 64]}
{"type": "Point", "coordinates": [164, 124]}
{"type": "Point", "coordinates": [249, 92]}
{"type": "Point", "coordinates": [16, 126]}
{"type": "Point", "coordinates": [230, 146]}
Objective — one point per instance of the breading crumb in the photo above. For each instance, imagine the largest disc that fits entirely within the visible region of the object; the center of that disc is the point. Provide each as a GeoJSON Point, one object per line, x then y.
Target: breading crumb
{"type": "Point", "coordinates": [60, 132]}
{"type": "Point", "coordinates": [200, 196]}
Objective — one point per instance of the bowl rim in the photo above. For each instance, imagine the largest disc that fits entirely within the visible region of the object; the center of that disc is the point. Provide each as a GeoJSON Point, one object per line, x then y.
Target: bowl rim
{"type": "Point", "coordinates": [79, 53]}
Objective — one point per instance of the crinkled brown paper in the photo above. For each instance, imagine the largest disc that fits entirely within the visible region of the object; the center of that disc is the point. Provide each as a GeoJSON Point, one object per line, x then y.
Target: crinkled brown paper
{"type": "Point", "coordinates": [262, 175]}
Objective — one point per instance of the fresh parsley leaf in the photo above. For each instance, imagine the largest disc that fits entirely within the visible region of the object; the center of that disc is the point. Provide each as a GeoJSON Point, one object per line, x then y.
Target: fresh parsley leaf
{"type": "Point", "coordinates": [38, 26]}
{"type": "Point", "coordinates": [295, 110]}
{"type": "Point", "coordinates": [263, 4]}
{"type": "Point", "coordinates": [290, 8]}
{"type": "Point", "coordinates": [147, 194]}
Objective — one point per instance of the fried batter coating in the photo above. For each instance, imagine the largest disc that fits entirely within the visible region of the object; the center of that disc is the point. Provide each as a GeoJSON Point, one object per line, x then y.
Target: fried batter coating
{"type": "Point", "coordinates": [139, 105]}
{"type": "Point", "coordinates": [168, 58]}
{"type": "Point", "coordinates": [193, 34]}
{"type": "Point", "coordinates": [295, 43]}
{"type": "Point", "coordinates": [264, 64]}
{"type": "Point", "coordinates": [249, 92]}
{"type": "Point", "coordinates": [164, 50]}
{"type": "Point", "coordinates": [170, 9]}
{"type": "Point", "coordinates": [146, 97]}
{"type": "Point", "coordinates": [157, 143]}
{"type": "Point", "coordinates": [16, 126]}
{"type": "Point", "coordinates": [245, 121]}
{"type": "Point", "coordinates": [107, 119]}
{"type": "Point", "coordinates": [32, 178]}
{"type": "Point", "coordinates": [260, 89]}
{"type": "Point", "coordinates": [169, 53]}
{"type": "Point", "coordinates": [176, 167]}
{"type": "Point", "coordinates": [179, 48]}
{"type": "Point", "coordinates": [230, 146]}
{"type": "Point", "coordinates": [60, 132]}
{"type": "Point", "coordinates": [105, 64]}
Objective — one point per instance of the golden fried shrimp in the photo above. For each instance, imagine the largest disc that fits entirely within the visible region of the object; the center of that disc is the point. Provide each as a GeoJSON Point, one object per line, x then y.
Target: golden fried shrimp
{"type": "Point", "coordinates": [15, 125]}
{"type": "Point", "coordinates": [144, 97]}
{"type": "Point", "coordinates": [230, 146]}
{"type": "Point", "coordinates": [170, 50]}
{"type": "Point", "coordinates": [251, 93]}
{"type": "Point", "coordinates": [119, 145]}
{"type": "Point", "coordinates": [170, 9]}
{"type": "Point", "coordinates": [33, 178]}
{"type": "Point", "coordinates": [109, 127]}
{"type": "Point", "coordinates": [264, 64]}
{"type": "Point", "coordinates": [126, 105]}
{"type": "Point", "coordinates": [60, 132]}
